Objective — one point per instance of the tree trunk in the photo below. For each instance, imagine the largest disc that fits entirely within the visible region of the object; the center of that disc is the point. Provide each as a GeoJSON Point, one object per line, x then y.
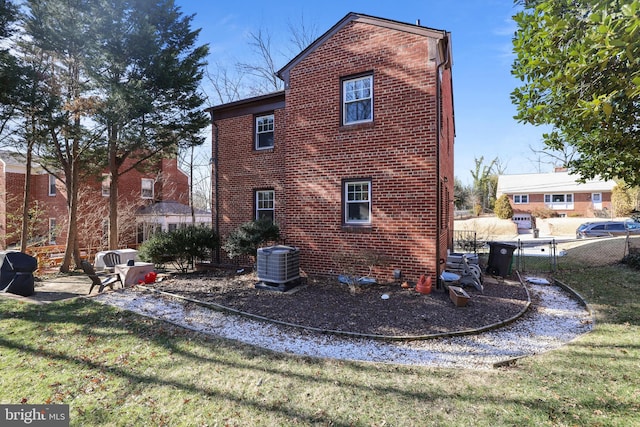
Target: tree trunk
{"type": "Point", "coordinates": [24, 233]}
{"type": "Point", "coordinates": [113, 187]}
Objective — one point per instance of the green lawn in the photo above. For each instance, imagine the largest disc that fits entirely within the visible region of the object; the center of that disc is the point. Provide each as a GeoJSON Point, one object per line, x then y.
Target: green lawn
{"type": "Point", "coordinates": [116, 368]}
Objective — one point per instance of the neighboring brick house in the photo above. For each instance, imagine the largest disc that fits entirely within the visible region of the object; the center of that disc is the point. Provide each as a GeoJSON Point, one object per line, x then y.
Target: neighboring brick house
{"type": "Point", "coordinates": [557, 191]}
{"type": "Point", "coordinates": [355, 156]}
{"type": "Point", "coordinates": [137, 191]}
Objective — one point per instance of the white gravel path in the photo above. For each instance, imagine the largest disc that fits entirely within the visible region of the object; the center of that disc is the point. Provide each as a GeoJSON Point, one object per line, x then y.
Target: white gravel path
{"type": "Point", "coordinates": [558, 320]}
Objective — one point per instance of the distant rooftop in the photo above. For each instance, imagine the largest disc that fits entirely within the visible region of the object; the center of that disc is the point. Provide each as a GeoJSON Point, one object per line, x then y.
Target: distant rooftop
{"type": "Point", "coordinates": [554, 182]}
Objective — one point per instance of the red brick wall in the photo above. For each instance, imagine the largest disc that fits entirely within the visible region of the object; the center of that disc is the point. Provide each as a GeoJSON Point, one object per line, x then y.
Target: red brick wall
{"type": "Point", "coordinates": [49, 206]}
{"type": "Point", "coordinates": [397, 151]}
{"type": "Point", "coordinates": [3, 207]}
{"type": "Point", "coordinates": [171, 184]}
{"type": "Point", "coordinates": [309, 162]}
{"type": "Point", "coordinates": [242, 170]}
{"type": "Point", "coordinates": [582, 204]}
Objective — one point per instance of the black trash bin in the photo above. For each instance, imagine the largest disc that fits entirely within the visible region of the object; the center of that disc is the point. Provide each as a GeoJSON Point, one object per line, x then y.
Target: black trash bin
{"type": "Point", "coordinates": [16, 273]}
{"type": "Point", "coordinates": [500, 258]}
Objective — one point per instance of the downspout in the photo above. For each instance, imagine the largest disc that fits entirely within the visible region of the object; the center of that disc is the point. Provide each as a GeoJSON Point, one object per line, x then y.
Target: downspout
{"type": "Point", "coordinates": [216, 186]}
{"type": "Point", "coordinates": [439, 260]}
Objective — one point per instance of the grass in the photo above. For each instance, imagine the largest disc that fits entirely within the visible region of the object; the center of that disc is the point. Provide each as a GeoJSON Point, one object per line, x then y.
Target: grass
{"type": "Point", "coordinates": [115, 368]}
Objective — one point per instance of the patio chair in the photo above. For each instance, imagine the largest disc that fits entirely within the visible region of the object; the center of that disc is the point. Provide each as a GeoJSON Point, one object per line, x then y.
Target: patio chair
{"type": "Point", "coordinates": [110, 260]}
{"type": "Point", "coordinates": [96, 280]}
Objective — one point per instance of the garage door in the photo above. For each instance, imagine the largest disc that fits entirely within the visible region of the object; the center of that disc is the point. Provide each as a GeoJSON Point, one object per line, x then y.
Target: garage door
{"type": "Point", "coordinates": [523, 221]}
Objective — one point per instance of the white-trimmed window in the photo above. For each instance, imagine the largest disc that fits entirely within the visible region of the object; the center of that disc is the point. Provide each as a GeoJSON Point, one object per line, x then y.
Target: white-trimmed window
{"type": "Point", "coordinates": [265, 205]}
{"type": "Point", "coordinates": [596, 197]}
{"type": "Point", "coordinates": [147, 188]}
{"type": "Point", "coordinates": [52, 185]}
{"type": "Point", "coordinates": [558, 198]}
{"type": "Point", "coordinates": [520, 199]}
{"type": "Point", "coordinates": [106, 184]}
{"type": "Point", "coordinates": [357, 202]}
{"type": "Point", "coordinates": [52, 231]}
{"type": "Point", "coordinates": [264, 132]}
{"type": "Point", "coordinates": [357, 100]}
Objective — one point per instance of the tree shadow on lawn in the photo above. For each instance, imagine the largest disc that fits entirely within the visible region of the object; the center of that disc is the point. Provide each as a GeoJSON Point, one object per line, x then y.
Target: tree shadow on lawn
{"type": "Point", "coordinates": [102, 330]}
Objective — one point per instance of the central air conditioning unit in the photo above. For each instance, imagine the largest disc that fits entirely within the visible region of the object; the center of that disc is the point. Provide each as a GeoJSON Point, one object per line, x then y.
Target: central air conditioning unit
{"type": "Point", "coordinates": [278, 265]}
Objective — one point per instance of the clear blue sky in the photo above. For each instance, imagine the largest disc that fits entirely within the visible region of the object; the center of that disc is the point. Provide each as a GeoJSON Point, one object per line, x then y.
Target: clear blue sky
{"type": "Point", "coordinates": [481, 33]}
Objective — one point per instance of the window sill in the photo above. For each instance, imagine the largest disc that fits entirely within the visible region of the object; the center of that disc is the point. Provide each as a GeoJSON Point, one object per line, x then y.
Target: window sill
{"type": "Point", "coordinates": [356, 126]}
{"type": "Point", "coordinates": [350, 228]}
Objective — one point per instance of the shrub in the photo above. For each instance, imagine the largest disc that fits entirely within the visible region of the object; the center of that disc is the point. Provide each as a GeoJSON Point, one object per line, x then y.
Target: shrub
{"type": "Point", "coordinates": [544, 213]}
{"type": "Point", "coordinates": [632, 260]}
{"type": "Point", "coordinates": [181, 247]}
{"type": "Point", "coordinates": [246, 239]}
{"type": "Point", "coordinates": [503, 209]}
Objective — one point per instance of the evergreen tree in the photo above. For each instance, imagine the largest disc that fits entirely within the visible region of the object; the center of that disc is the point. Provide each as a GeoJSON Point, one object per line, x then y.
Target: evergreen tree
{"type": "Point", "coordinates": [10, 72]}
{"type": "Point", "coordinates": [148, 72]}
{"type": "Point", "coordinates": [123, 79]}
{"type": "Point", "coordinates": [579, 64]}
{"type": "Point", "coordinates": [503, 207]}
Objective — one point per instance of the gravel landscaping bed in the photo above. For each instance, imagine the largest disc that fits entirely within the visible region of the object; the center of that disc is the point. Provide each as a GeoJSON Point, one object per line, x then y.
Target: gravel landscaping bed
{"type": "Point", "coordinates": [372, 309]}
{"type": "Point", "coordinates": [554, 318]}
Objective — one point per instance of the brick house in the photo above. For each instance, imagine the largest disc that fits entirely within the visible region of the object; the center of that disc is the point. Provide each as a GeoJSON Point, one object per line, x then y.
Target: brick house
{"type": "Point", "coordinates": [354, 157]}
{"type": "Point", "coordinates": [138, 193]}
{"type": "Point", "coordinates": [557, 191]}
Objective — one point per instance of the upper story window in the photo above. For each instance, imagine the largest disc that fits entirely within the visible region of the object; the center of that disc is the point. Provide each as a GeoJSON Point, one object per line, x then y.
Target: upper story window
{"type": "Point", "coordinates": [265, 205]}
{"type": "Point", "coordinates": [520, 199]}
{"type": "Point", "coordinates": [106, 184]}
{"type": "Point", "coordinates": [357, 202]}
{"type": "Point", "coordinates": [264, 132]}
{"type": "Point", "coordinates": [52, 185]}
{"type": "Point", "coordinates": [357, 100]}
{"type": "Point", "coordinates": [147, 188]}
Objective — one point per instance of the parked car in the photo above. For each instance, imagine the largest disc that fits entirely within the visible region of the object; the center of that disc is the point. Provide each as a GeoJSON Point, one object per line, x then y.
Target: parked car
{"type": "Point", "coordinates": [607, 229]}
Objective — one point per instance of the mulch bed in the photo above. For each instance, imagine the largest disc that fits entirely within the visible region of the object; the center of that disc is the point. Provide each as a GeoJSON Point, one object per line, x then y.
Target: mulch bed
{"type": "Point", "coordinates": [329, 305]}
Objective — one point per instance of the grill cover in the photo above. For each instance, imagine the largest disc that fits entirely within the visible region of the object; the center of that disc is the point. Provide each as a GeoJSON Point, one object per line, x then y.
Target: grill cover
{"type": "Point", "coordinates": [16, 273]}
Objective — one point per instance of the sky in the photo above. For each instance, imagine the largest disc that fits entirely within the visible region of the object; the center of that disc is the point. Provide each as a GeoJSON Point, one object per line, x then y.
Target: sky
{"type": "Point", "coordinates": [481, 32]}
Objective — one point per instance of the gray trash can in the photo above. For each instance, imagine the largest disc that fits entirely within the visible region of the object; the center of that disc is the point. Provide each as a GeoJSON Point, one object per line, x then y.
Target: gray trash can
{"type": "Point", "coordinates": [500, 258]}
{"type": "Point", "coordinates": [536, 233]}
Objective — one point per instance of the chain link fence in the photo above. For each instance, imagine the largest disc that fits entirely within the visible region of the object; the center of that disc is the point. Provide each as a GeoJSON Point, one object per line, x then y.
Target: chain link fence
{"type": "Point", "coordinates": [551, 255]}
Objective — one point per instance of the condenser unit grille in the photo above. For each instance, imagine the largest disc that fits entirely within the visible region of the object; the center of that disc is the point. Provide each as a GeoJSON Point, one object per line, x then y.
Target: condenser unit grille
{"type": "Point", "coordinates": [278, 264]}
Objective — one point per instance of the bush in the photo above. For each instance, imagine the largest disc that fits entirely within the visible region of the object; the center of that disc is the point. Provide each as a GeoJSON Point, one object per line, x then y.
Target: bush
{"type": "Point", "coordinates": [632, 260]}
{"type": "Point", "coordinates": [181, 247]}
{"type": "Point", "coordinates": [246, 239]}
{"type": "Point", "coordinates": [543, 213]}
{"type": "Point", "coordinates": [503, 209]}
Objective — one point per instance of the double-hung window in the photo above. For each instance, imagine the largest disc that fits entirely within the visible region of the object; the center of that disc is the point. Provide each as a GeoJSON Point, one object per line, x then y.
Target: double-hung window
{"type": "Point", "coordinates": [106, 184]}
{"type": "Point", "coordinates": [520, 199]}
{"type": "Point", "coordinates": [357, 202]}
{"type": "Point", "coordinates": [53, 229]}
{"type": "Point", "coordinates": [265, 205]}
{"type": "Point", "coordinates": [357, 100]}
{"type": "Point", "coordinates": [147, 188]}
{"type": "Point", "coordinates": [264, 132]}
{"type": "Point", "coordinates": [52, 185]}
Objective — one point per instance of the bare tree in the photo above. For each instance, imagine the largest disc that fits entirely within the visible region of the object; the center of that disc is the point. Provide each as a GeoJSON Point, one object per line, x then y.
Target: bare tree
{"type": "Point", "coordinates": [559, 156]}
{"type": "Point", "coordinates": [264, 68]}
{"type": "Point", "coordinates": [226, 86]}
{"type": "Point", "coordinates": [302, 33]}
